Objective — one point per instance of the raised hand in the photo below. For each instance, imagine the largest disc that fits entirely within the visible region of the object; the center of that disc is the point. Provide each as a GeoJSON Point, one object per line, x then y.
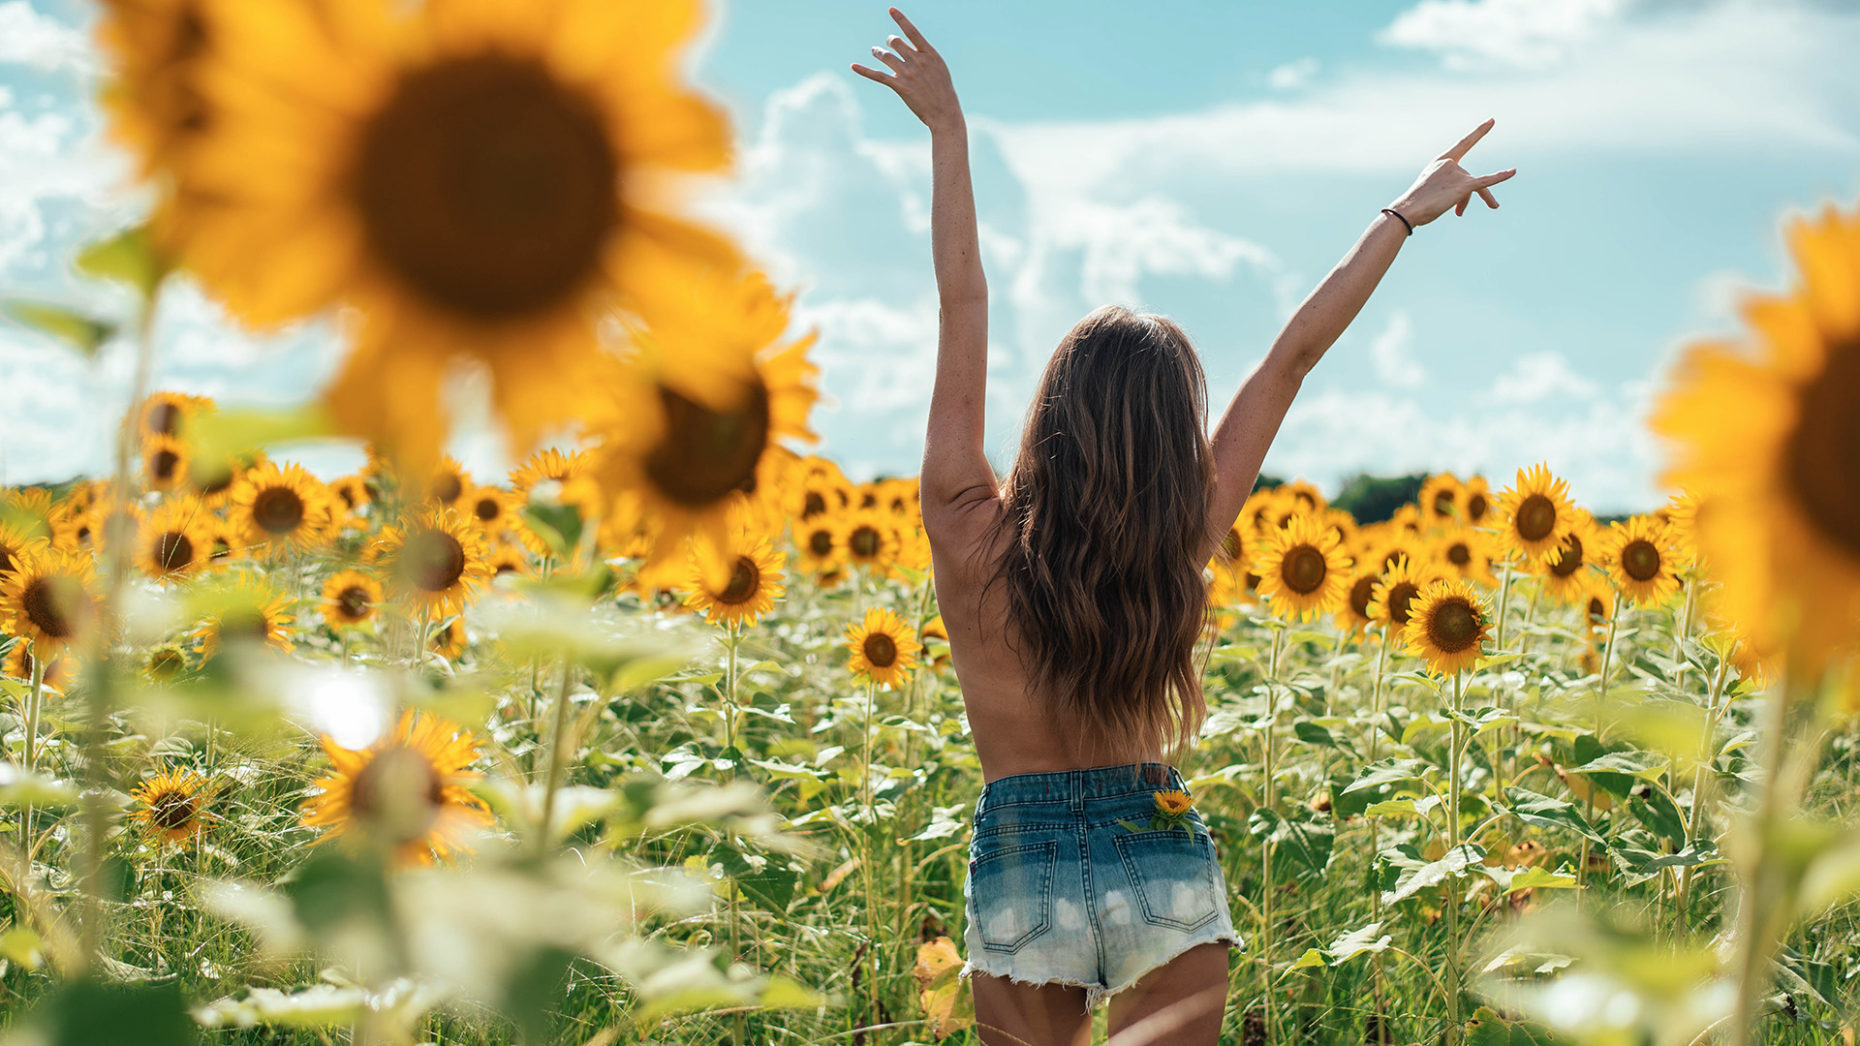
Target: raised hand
{"type": "Point", "coordinates": [918, 75]}
{"type": "Point", "coordinates": [1446, 184]}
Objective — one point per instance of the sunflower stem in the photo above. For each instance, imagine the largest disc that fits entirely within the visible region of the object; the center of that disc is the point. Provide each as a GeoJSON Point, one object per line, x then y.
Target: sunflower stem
{"type": "Point", "coordinates": [1453, 882]}
{"type": "Point", "coordinates": [1701, 782]}
{"type": "Point", "coordinates": [865, 857]}
{"type": "Point", "coordinates": [1269, 802]}
{"type": "Point", "coordinates": [34, 697]}
{"type": "Point", "coordinates": [1601, 696]}
{"type": "Point", "coordinates": [557, 735]}
{"type": "Point", "coordinates": [1375, 828]}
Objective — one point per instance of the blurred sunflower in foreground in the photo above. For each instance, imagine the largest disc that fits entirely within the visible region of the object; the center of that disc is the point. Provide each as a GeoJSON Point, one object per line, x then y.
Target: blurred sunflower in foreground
{"type": "Point", "coordinates": [486, 181]}
{"type": "Point", "coordinates": [407, 792]}
{"type": "Point", "coordinates": [1766, 433]}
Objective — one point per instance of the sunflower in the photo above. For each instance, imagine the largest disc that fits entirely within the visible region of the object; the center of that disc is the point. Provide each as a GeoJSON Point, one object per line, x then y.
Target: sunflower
{"type": "Point", "coordinates": [174, 538]}
{"type": "Point", "coordinates": [409, 791]}
{"type": "Point", "coordinates": [508, 559]}
{"type": "Point", "coordinates": [1303, 569]}
{"type": "Point", "coordinates": [884, 648]}
{"type": "Point", "coordinates": [1173, 803]}
{"type": "Point", "coordinates": [172, 805]}
{"type": "Point", "coordinates": [1353, 610]}
{"type": "Point", "coordinates": [448, 640]}
{"type": "Point", "coordinates": [1441, 498]}
{"type": "Point", "coordinates": [1446, 626]}
{"type": "Point", "coordinates": [283, 507]}
{"type": "Point", "coordinates": [29, 512]}
{"type": "Point", "coordinates": [1766, 434]}
{"type": "Point", "coordinates": [164, 663]}
{"type": "Point", "coordinates": [869, 537]}
{"type": "Point", "coordinates": [817, 544]}
{"type": "Point", "coordinates": [436, 560]}
{"type": "Point", "coordinates": [164, 415]}
{"type": "Point", "coordinates": [15, 544]}
{"type": "Point", "coordinates": [1407, 522]}
{"type": "Point", "coordinates": [226, 541]}
{"type": "Point", "coordinates": [490, 509]}
{"type": "Point", "coordinates": [694, 427]}
{"type": "Point", "coordinates": [1639, 556]}
{"type": "Point", "coordinates": [164, 462]}
{"type": "Point", "coordinates": [214, 477]}
{"type": "Point", "coordinates": [754, 583]}
{"type": "Point", "coordinates": [49, 598]}
{"type": "Point", "coordinates": [1598, 602]}
{"type": "Point", "coordinates": [1466, 553]}
{"type": "Point", "coordinates": [1565, 571]}
{"type": "Point", "coordinates": [351, 492]}
{"type": "Point", "coordinates": [447, 482]}
{"type": "Point", "coordinates": [19, 664]}
{"type": "Point", "coordinates": [245, 612]}
{"type": "Point", "coordinates": [1476, 498]}
{"type": "Point", "coordinates": [898, 495]}
{"type": "Point", "coordinates": [1304, 497]}
{"type": "Point", "coordinates": [913, 548]}
{"type": "Point", "coordinates": [1392, 600]}
{"type": "Point", "coordinates": [482, 180]}
{"type": "Point", "coordinates": [1534, 514]}
{"type": "Point", "coordinates": [350, 598]}
{"type": "Point", "coordinates": [1682, 524]}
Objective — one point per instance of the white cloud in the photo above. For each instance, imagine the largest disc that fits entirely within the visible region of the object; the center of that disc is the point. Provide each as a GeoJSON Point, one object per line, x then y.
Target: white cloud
{"type": "Point", "coordinates": [1292, 75]}
{"type": "Point", "coordinates": [1521, 33]}
{"type": "Point", "coordinates": [34, 39]}
{"type": "Point", "coordinates": [1542, 377]}
{"type": "Point", "coordinates": [1392, 353]}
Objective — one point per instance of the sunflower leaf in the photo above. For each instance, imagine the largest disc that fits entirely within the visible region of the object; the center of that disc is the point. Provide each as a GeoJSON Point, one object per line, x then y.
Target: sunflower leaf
{"type": "Point", "coordinates": [87, 334]}
{"type": "Point", "coordinates": [128, 257]}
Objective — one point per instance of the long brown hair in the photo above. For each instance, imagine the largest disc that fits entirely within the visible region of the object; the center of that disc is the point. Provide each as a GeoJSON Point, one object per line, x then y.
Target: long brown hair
{"type": "Point", "coordinates": [1104, 512]}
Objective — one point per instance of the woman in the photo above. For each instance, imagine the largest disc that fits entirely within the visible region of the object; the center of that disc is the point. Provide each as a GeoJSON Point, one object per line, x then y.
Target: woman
{"type": "Point", "coordinates": [1074, 596]}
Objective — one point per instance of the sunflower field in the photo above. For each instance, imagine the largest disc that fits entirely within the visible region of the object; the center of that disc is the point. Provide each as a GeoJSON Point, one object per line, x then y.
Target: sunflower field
{"type": "Point", "coordinates": [656, 738]}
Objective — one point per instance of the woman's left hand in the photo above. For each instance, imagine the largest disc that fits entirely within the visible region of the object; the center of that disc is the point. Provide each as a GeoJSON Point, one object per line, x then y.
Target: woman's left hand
{"type": "Point", "coordinates": [1446, 184]}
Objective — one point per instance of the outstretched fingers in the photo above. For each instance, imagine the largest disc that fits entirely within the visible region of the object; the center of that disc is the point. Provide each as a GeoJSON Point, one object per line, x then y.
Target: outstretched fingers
{"type": "Point", "coordinates": [1484, 186]}
{"type": "Point", "coordinates": [892, 62]}
{"type": "Point", "coordinates": [917, 38]}
{"type": "Point", "coordinates": [1464, 146]}
{"type": "Point", "coordinates": [874, 75]}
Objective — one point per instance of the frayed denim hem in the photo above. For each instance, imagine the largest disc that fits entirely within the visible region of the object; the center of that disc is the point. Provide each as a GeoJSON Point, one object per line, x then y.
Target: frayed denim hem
{"type": "Point", "coordinates": [1097, 993]}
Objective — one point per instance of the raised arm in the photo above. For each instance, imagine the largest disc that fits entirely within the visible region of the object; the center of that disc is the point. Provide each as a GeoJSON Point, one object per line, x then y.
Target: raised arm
{"type": "Point", "coordinates": [956, 473]}
{"type": "Point", "coordinates": [1253, 417]}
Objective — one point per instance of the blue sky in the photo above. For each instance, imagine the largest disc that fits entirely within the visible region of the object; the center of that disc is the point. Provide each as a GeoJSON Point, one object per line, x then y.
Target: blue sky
{"type": "Point", "coordinates": [1210, 161]}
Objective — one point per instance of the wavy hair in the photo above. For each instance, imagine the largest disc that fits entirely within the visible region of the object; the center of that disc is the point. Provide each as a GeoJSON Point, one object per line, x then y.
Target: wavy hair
{"type": "Point", "coordinates": [1105, 509]}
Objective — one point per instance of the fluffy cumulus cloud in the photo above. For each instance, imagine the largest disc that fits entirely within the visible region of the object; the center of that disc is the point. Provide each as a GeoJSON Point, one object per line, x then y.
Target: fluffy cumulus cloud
{"type": "Point", "coordinates": [30, 38]}
{"type": "Point", "coordinates": [1517, 33]}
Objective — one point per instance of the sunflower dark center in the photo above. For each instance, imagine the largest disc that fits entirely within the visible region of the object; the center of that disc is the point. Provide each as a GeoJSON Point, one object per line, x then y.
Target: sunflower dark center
{"type": "Point", "coordinates": [812, 505]}
{"type": "Point", "coordinates": [1401, 600]}
{"type": "Point", "coordinates": [880, 650]}
{"type": "Point", "coordinates": [162, 464]}
{"type": "Point", "coordinates": [488, 186]}
{"type": "Point", "coordinates": [1598, 611]}
{"type": "Point", "coordinates": [51, 604]}
{"type": "Point", "coordinates": [1475, 508]}
{"type": "Point", "coordinates": [446, 488]}
{"type": "Point", "coordinates": [165, 663]}
{"type": "Point", "coordinates": [164, 418]}
{"type": "Point", "coordinates": [173, 551]}
{"type": "Point", "coordinates": [1640, 559]}
{"type": "Point", "coordinates": [865, 541]}
{"type": "Point", "coordinates": [1536, 518]}
{"type": "Point", "coordinates": [245, 623]}
{"type": "Point", "coordinates": [706, 454]}
{"type": "Point", "coordinates": [399, 793]}
{"type": "Point", "coordinates": [278, 510]}
{"type": "Point", "coordinates": [211, 478]}
{"type": "Point", "coordinates": [434, 560]}
{"type": "Point", "coordinates": [1453, 625]}
{"type": "Point", "coordinates": [745, 578]}
{"type": "Point", "coordinates": [1443, 503]}
{"type": "Point", "coordinates": [488, 509]}
{"type": "Point", "coordinates": [172, 811]}
{"type": "Point", "coordinates": [1230, 545]}
{"type": "Point", "coordinates": [1360, 593]}
{"type": "Point", "coordinates": [1303, 569]}
{"type": "Point", "coordinates": [1458, 554]}
{"type": "Point", "coordinates": [820, 542]}
{"type": "Point", "coordinates": [1822, 455]}
{"type": "Point", "coordinates": [1568, 558]}
{"type": "Point", "coordinates": [354, 602]}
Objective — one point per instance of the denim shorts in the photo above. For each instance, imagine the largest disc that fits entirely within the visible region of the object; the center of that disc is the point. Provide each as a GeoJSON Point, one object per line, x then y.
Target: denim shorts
{"type": "Point", "coordinates": [1069, 885]}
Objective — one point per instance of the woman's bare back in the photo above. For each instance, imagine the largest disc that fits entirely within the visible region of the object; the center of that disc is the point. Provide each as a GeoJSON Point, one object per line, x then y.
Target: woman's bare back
{"type": "Point", "coordinates": [1019, 727]}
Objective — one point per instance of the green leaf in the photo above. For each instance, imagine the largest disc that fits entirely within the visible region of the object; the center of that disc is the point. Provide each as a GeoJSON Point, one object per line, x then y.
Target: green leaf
{"type": "Point", "coordinates": [1657, 811]}
{"type": "Point", "coordinates": [1311, 957]}
{"type": "Point", "coordinates": [1545, 812]}
{"type": "Point", "coordinates": [1406, 806]}
{"type": "Point", "coordinates": [127, 257]}
{"type": "Point", "coordinates": [1644, 765]}
{"type": "Point", "coordinates": [1313, 733]}
{"type": "Point", "coordinates": [87, 334]}
{"type": "Point", "coordinates": [1537, 878]}
{"type": "Point", "coordinates": [1363, 940]}
{"type": "Point", "coordinates": [1419, 876]}
{"type": "Point", "coordinates": [1387, 772]}
{"type": "Point", "coordinates": [1303, 840]}
{"type": "Point", "coordinates": [89, 1012]}
{"type": "Point", "coordinates": [768, 880]}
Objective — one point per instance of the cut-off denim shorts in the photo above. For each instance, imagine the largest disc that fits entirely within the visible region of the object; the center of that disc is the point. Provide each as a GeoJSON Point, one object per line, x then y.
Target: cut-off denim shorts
{"type": "Point", "coordinates": [1069, 885]}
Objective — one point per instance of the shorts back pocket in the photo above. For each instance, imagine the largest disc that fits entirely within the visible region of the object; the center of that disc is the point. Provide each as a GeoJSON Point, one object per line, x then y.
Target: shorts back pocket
{"type": "Point", "coordinates": [1012, 891]}
{"type": "Point", "coordinates": [1173, 873]}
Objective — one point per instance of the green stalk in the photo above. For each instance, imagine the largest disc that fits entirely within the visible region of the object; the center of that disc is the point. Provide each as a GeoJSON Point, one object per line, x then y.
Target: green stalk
{"type": "Point", "coordinates": [1270, 801]}
{"type": "Point", "coordinates": [1700, 783]}
{"type": "Point", "coordinates": [557, 735]}
{"type": "Point", "coordinates": [1601, 695]}
{"type": "Point", "coordinates": [865, 855]}
{"type": "Point", "coordinates": [1454, 1024]}
{"type": "Point", "coordinates": [34, 698]}
{"type": "Point", "coordinates": [1375, 828]}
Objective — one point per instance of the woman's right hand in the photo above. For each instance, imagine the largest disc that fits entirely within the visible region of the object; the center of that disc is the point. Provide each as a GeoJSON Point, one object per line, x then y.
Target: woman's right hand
{"type": "Point", "coordinates": [1446, 184]}
{"type": "Point", "coordinates": [918, 75]}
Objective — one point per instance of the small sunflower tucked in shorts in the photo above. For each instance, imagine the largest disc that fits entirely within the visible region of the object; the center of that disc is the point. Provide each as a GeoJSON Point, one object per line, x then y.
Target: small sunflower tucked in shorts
{"type": "Point", "coordinates": [1172, 809]}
